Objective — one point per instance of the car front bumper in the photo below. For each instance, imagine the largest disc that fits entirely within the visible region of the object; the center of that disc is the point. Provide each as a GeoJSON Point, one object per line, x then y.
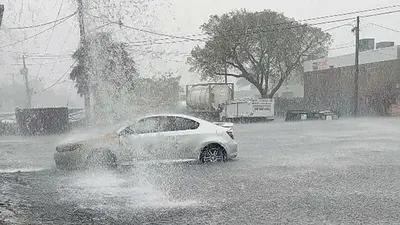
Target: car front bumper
{"type": "Point", "coordinates": [231, 149]}
{"type": "Point", "coordinates": [70, 160]}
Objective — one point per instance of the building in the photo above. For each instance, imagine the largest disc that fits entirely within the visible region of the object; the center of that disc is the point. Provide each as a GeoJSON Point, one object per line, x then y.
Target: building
{"type": "Point", "coordinates": [329, 82]}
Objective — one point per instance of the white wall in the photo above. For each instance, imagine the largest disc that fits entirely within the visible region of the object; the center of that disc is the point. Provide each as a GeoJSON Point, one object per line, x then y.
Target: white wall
{"type": "Point", "coordinates": [377, 55]}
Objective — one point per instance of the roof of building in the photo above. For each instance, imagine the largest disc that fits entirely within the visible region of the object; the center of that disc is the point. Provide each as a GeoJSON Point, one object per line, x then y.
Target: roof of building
{"type": "Point", "coordinates": [365, 57]}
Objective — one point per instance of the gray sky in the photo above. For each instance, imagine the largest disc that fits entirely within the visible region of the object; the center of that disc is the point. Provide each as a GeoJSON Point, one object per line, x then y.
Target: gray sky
{"type": "Point", "coordinates": [178, 17]}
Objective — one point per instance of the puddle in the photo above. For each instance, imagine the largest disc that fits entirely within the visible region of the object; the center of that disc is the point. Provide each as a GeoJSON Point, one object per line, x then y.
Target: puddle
{"type": "Point", "coordinates": [14, 170]}
{"type": "Point", "coordinates": [110, 191]}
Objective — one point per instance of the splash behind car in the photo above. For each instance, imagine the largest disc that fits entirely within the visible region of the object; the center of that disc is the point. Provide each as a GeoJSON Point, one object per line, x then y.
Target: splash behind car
{"type": "Point", "coordinates": [166, 137]}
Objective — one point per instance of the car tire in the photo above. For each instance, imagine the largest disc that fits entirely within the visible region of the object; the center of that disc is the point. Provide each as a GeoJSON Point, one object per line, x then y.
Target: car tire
{"type": "Point", "coordinates": [101, 159]}
{"type": "Point", "coordinates": [213, 153]}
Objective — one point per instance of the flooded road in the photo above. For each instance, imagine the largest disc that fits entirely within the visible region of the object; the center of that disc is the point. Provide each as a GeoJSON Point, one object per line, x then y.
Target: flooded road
{"type": "Point", "coordinates": [322, 172]}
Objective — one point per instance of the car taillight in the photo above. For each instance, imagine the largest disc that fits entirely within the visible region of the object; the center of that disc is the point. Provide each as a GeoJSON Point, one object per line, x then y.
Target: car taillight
{"type": "Point", "coordinates": [230, 133]}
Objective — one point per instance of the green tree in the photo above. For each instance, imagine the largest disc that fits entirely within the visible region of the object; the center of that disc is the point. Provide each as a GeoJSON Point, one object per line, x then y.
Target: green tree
{"type": "Point", "coordinates": [107, 62]}
{"type": "Point", "coordinates": [265, 48]}
{"type": "Point", "coordinates": [158, 92]}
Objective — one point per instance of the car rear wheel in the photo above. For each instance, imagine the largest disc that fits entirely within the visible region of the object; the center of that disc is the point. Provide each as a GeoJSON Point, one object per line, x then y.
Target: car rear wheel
{"type": "Point", "coordinates": [104, 159]}
{"type": "Point", "coordinates": [213, 154]}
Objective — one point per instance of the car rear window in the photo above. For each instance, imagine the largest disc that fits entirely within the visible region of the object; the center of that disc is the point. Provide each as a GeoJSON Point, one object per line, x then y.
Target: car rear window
{"type": "Point", "coordinates": [173, 123]}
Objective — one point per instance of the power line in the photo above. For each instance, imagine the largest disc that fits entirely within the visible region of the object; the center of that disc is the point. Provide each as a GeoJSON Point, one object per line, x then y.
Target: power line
{"type": "Point", "coordinates": [35, 35]}
{"type": "Point", "coordinates": [48, 42]}
{"type": "Point", "coordinates": [379, 14]}
{"type": "Point", "coordinates": [278, 29]}
{"type": "Point", "coordinates": [65, 41]}
{"type": "Point", "coordinates": [99, 27]}
{"type": "Point", "coordinates": [66, 38]}
{"type": "Point", "coordinates": [260, 31]}
{"type": "Point", "coordinates": [351, 13]}
{"type": "Point", "coordinates": [341, 46]}
{"type": "Point", "coordinates": [39, 57]}
{"type": "Point", "coordinates": [59, 79]}
{"type": "Point", "coordinates": [40, 25]}
{"type": "Point", "coordinates": [73, 64]}
{"type": "Point", "coordinates": [336, 27]}
{"type": "Point", "coordinates": [386, 28]}
{"type": "Point", "coordinates": [120, 23]}
{"type": "Point", "coordinates": [160, 34]}
{"type": "Point", "coordinates": [38, 54]}
{"type": "Point", "coordinates": [189, 37]}
{"type": "Point", "coordinates": [291, 22]}
{"type": "Point", "coordinates": [33, 64]}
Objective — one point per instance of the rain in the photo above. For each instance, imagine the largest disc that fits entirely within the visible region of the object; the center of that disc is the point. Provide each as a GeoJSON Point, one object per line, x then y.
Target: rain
{"type": "Point", "coordinates": [199, 112]}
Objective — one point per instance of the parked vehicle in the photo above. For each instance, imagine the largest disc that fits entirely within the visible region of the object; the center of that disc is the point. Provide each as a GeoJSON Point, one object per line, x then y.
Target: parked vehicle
{"type": "Point", "coordinates": [298, 115]}
{"type": "Point", "coordinates": [206, 100]}
{"type": "Point", "coordinates": [168, 137]}
{"type": "Point", "coordinates": [248, 110]}
{"type": "Point", "coordinates": [215, 101]}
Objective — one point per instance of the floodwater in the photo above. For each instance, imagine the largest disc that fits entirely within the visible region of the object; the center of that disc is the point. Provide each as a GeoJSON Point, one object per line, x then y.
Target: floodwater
{"type": "Point", "coordinates": [312, 172]}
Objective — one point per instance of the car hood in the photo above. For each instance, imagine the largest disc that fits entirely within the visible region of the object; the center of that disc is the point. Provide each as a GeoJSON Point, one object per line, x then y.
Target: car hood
{"type": "Point", "coordinates": [90, 134]}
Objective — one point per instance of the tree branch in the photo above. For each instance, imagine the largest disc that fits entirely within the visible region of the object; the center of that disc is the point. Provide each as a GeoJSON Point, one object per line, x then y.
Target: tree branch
{"type": "Point", "coordinates": [229, 74]}
{"type": "Point", "coordinates": [252, 60]}
{"type": "Point", "coordinates": [290, 68]}
{"type": "Point", "coordinates": [255, 66]}
{"type": "Point", "coordinates": [276, 88]}
{"type": "Point", "coordinates": [280, 82]}
{"type": "Point", "coordinates": [234, 65]}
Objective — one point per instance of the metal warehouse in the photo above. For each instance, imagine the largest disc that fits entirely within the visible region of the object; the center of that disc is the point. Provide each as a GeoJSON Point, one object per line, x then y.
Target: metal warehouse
{"type": "Point", "coordinates": [329, 83]}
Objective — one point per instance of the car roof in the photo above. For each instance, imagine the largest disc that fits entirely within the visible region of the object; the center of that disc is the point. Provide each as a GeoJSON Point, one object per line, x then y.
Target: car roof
{"type": "Point", "coordinates": [176, 115]}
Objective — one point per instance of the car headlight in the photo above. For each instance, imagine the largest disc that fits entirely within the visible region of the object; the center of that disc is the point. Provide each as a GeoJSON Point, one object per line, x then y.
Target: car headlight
{"type": "Point", "coordinates": [69, 147]}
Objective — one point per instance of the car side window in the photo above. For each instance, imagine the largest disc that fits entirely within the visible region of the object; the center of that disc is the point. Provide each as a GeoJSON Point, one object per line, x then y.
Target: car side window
{"type": "Point", "coordinates": [147, 125]}
{"type": "Point", "coordinates": [164, 124]}
{"type": "Point", "coordinates": [167, 123]}
{"type": "Point", "coordinates": [180, 123]}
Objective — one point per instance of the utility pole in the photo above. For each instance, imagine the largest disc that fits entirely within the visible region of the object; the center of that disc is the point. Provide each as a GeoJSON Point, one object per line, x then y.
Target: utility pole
{"type": "Point", "coordinates": [226, 72]}
{"type": "Point", "coordinates": [357, 31]}
{"type": "Point", "coordinates": [24, 72]}
{"type": "Point", "coordinates": [1, 13]}
{"type": "Point", "coordinates": [83, 60]}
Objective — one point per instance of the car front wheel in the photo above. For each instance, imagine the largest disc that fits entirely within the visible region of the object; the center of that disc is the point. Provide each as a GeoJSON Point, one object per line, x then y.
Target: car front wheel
{"type": "Point", "coordinates": [104, 159]}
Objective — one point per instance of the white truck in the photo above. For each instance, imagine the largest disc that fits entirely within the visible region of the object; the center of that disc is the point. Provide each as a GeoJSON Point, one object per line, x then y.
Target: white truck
{"type": "Point", "coordinates": [206, 100]}
{"type": "Point", "coordinates": [251, 110]}
{"type": "Point", "coordinates": [215, 101]}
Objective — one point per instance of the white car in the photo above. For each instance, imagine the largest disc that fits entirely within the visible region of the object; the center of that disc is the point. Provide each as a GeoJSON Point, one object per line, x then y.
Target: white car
{"type": "Point", "coordinates": [166, 137]}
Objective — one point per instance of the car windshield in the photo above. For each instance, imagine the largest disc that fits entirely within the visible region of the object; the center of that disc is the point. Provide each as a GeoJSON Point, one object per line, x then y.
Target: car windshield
{"type": "Point", "coordinates": [199, 112]}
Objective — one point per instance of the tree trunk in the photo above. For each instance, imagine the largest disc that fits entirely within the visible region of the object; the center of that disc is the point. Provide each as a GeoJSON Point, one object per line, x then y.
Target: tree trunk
{"type": "Point", "coordinates": [263, 93]}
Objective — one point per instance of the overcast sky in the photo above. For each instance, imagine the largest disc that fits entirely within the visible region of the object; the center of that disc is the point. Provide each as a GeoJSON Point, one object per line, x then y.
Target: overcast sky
{"type": "Point", "coordinates": [178, 17]}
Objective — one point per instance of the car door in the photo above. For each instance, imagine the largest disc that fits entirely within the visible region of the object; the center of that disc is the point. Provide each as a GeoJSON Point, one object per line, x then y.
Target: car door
{"type": "Point", "coordinates": [139, 143]}
{"type": "Point", "coordinates": [180, 137]}
{"type": "Point", "coordinates": [161, 142]}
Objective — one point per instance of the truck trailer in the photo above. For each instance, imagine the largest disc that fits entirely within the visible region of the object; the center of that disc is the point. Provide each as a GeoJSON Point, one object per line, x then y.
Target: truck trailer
{"type": "Point", "coordinates": [206, 100]}
{"type": "Point", "coordinates": [215, 102]}
{"type": "Point", "coordinates": [248, 110]}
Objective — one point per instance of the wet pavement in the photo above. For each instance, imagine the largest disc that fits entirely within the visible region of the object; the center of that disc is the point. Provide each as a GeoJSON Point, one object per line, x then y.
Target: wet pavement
{"type": "Point", "coordinates": [314, 172]}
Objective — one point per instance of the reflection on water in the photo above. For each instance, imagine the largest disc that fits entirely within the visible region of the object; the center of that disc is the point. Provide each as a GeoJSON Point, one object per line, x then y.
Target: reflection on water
{"type": "Point", "coordinates": [110, 190]}
{"type": "Point", "coordinates": [14, 170]}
